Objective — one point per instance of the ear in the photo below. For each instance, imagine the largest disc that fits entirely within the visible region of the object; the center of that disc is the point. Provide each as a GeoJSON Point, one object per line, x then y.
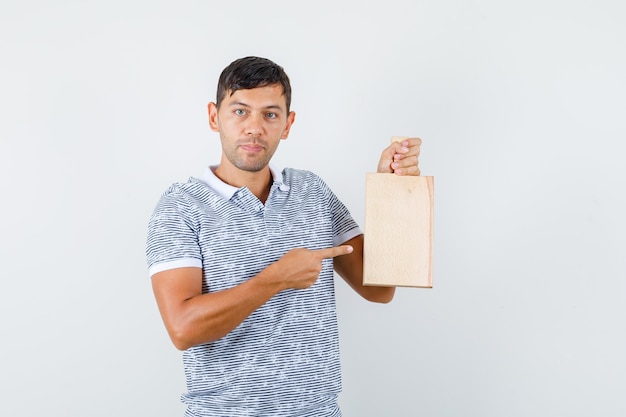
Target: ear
{"type": "Point", "coordinates": [290, 119]}
{"type": "Point", "coordinates": [212, 109]}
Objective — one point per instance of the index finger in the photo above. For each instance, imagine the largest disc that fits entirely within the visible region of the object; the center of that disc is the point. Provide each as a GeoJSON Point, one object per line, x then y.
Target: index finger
{"type": "Point", "coordinates": [408, 145]}
{"type": "Point", "coordinates": [406, 141]}
{"type": "Point", "coordinates": [334, 251]}
{"type": "Point", "coordinates": [414, 142]}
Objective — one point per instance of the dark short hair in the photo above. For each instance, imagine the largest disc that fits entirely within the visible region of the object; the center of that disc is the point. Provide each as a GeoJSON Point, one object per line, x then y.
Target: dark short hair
{"type": "Point", "coordinates": [252, 72]}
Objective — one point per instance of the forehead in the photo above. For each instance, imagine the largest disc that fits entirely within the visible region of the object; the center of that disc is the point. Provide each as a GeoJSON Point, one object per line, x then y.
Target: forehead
{"type": "Point", "coordinates": [266, 96]}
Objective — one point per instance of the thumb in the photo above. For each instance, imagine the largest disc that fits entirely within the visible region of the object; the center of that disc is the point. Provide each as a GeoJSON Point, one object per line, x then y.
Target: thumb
{"type": "Point", "coordinates": [387, 157]}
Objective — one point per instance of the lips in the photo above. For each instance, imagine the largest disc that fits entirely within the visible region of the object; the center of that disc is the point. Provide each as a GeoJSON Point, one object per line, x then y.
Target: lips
{"type": "Point", "coordinates": [252, 147]}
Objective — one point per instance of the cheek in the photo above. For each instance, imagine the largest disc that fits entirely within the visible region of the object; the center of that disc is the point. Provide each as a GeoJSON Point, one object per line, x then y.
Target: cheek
{"type": "Point", "coordinates": [229, 124]}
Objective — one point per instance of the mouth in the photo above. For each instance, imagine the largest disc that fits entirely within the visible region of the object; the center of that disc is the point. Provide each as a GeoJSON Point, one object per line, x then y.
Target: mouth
{"type": "Point", "coordinates": [252, 147]}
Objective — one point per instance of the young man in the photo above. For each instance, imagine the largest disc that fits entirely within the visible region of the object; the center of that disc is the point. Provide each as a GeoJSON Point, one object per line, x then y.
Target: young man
{"type": "Point", "coordinates": [242, 261]}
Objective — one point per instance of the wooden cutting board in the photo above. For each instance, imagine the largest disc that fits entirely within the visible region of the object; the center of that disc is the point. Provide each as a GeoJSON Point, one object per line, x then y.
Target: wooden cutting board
{"type": "Point", "coordinates": [398, 246]}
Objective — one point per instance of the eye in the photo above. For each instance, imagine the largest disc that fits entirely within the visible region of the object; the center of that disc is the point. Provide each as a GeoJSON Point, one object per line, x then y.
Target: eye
{"type": "Point", "coordinates": [240, 112]}
{"type": "Point", "coordinates": [271, 115]}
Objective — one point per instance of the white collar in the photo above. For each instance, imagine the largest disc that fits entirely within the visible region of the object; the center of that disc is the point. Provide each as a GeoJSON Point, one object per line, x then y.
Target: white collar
{"type": "Point", "coordinates": [227, 191]}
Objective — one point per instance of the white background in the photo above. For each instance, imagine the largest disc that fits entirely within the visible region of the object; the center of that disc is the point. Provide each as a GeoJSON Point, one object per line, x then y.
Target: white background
{"type": "Point", "coordinates": [520, 104]}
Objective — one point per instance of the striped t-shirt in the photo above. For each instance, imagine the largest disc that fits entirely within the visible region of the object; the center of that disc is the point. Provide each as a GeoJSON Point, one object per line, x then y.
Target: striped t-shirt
{"type": "Point", "coordinates": [283, 360]}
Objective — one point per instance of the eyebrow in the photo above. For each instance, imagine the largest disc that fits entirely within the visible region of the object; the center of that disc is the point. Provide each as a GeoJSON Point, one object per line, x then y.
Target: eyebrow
{"type": "Point", "coordinates": [242, 104]}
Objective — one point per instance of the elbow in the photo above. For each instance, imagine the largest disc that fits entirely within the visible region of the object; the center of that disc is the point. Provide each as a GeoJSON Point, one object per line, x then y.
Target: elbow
{"type": "Point", "coordinates": [381, 300]}
{"type": "Point", "coordinates": [187, 336]}
{"type": "Point", "coordinates": [181, 336]}
{"type": "Point", "coordinates": [181, 345]}
{"type": "Point", "coordinates": [386, 300]}
{"type": "Point", "coordinates": [180, 340]}
{"type": "Point", "coordinates": [381, 295]}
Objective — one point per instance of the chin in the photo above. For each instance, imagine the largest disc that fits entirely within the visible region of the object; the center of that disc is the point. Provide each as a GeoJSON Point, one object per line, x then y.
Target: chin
{"type": "Point", "coordinates": [251, 167]}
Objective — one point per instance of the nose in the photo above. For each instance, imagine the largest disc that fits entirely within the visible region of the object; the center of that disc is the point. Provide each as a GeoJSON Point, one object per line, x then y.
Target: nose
{"type": "Point", "coordinates": [254, 125]}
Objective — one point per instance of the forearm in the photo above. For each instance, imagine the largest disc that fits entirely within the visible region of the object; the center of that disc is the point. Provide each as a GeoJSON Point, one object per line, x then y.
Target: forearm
{"type": "Point", "coordinates": [350, 268]}
{"type": "Point", "coordinates": [373, 293]}
{"type": "Point", "coordinates": [212, 316]}
{"type": "Point", "coordinates": [377, 294]}
{"type": "Point", "coordinates": [203, 318]}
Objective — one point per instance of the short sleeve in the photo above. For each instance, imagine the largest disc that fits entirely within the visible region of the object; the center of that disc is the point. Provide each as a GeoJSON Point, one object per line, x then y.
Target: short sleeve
{"type": "Point", "coordinates": [172, 240]}
{"type": "Point", "coordinates": [344, 226]}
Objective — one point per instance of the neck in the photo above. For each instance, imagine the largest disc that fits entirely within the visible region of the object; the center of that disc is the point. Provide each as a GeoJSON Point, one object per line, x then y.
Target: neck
{"type": "Point", "coordinates": [258, 182]}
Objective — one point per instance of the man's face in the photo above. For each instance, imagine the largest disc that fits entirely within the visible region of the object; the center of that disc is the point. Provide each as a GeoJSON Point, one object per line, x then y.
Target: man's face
{"type": "Point", "coordinates": [251, 124]}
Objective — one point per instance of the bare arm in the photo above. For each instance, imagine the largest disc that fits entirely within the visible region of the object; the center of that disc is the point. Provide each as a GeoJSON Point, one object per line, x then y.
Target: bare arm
{"type": "Point", "coordinates": [350, 268]}
{"type": "Point", "coordinates": [192, 318]}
